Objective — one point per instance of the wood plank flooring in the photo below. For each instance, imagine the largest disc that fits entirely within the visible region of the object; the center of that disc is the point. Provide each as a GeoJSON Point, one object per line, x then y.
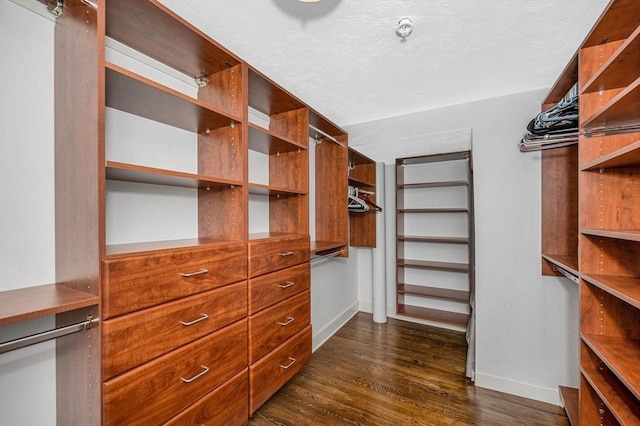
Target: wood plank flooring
{"type": "Point", "coordinates": [398, 373]}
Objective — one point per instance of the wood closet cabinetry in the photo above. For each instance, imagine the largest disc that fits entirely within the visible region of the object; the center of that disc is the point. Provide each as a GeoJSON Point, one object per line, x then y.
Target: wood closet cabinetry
{"type": "Point", "coordinates": [607, 229]}
{"type": "Point", "coordinates": [362, 174]}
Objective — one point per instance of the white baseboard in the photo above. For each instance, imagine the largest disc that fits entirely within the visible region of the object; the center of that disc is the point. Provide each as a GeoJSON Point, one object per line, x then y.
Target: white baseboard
{"type": "Point", "coordinates": [551, 396]}
{"type": "Point", "coordinates": [322, 335]}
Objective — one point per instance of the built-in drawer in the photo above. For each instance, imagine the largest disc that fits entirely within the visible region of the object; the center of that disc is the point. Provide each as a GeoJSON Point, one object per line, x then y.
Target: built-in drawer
{"type": "Point", "coordinates": [131, 283]}
{"type": "Point", "coordinates": [228, 405]}
{"type": "Point", "coordinates": [136, 338]}
{"type": "Point", "coordinates": [274, 370]}
{"type": "Point", "coordinates": [274, 325]}
{"type": "Point", "coordinates": [272, 254]}
{"type": "Point", "coordinates": [158, 390]}
{"type": "Point", "coordinates": [272, 288]}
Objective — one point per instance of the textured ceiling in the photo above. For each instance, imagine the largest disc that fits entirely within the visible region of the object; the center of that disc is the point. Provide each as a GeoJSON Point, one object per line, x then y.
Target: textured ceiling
{"type": "Point", "coordinates": [344, 59]}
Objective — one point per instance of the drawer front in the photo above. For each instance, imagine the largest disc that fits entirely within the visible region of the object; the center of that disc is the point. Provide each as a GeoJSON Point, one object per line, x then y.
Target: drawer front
{"type": "Point", "coordinates": [158, 390]}
{"type": "Point", "coordinates": [228, 405]}
{"type": "Point", "coordinates": [274, 325]}
{"type": "Point", "coordinates": [275, 254]}
{"type": "Point", "coordinates": [272, 288]}
{"type": "Point", "coordinates": [133, 283]}
{"type": "Point", "coordinates": [136, 338]}
{"type": "Point", "coordinates": [271, 372]}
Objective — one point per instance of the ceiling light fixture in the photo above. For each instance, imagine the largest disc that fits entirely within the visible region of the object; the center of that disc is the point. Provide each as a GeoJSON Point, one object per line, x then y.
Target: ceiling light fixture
{"type": "Point", "coordinates": [404, 28]}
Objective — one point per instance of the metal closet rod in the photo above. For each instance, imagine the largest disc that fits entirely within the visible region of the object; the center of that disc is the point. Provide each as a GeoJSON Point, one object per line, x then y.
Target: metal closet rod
{"type": "Point", "coordinates": [22, 342]}
{"type": "Point", "coordinates": [566, 274]}
{"type": "Point", "coordinates": [324, 256]}
{"type": "Point", "coordinates": [326, 135]}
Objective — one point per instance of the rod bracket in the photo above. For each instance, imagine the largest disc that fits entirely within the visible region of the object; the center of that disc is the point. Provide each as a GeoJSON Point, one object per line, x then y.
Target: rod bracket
{"type": "Point", "coordinates": [56, 8]}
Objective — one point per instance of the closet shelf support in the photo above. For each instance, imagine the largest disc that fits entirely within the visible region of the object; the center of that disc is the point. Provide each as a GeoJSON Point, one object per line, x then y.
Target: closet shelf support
{"type": "Point", "coordinates": [22, 342]}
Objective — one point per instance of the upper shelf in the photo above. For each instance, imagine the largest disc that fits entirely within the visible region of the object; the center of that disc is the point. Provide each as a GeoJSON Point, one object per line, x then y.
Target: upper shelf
{"type": "Point", "coordinates": [150, 28]}
{"type": "Point", "coordinates": [261, 189]}
{"type": "Point", "coordinates": [268, 97]}
{"type": "Point", "coordinates": [268, 142]}
{"type": "Point", "coordinates": [617, 22]}
{"type": "Point", "coordinates": [132, 93]}
{"type": "Point", "coordinates": [620, 234]}
{"type": "Point", "coordinates": [629, 156]}
{"type": "Point", "coordinates": [432, 184]}
{"type": "Point", "coordinates": [620, 70]}
{"type": "Point", "coordinates": [34, 302]}
{"type": "Point", "coordinates": [622, 110]}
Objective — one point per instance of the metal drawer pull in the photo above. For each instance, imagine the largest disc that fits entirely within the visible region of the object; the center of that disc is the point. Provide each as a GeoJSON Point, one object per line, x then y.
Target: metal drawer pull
{"type": "Point", "coordinates": [286, 285]}
{"type": "Point", "coordinates": [191, 274]}
{"type": "Point", "coordinates": [286, 253]}
{"type": "Point", "coordinates": [289, 321]}
{"type": "Point", "coordinates": [200, 374]}
{"type": "Point", "coordinates": [293, 361]}
{"type": "Point", "coordinates": [202, 318]}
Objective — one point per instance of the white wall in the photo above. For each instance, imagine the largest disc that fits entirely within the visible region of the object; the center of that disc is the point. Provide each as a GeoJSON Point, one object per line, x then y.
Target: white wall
{"type": "Point", "coordinates": [27, 239]}
{"type": "Point", "coordinates": [527, 325]}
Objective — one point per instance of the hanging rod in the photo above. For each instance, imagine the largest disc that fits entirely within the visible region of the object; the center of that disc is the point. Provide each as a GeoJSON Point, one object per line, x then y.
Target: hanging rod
{"type": "Point", "coordinates": [566, 274]}
{"type": "Point", "coordinates": [326, 135]}
{"type": "Point", "coordinates": [22, 342]}
{"type": "Point", "coordinates": [324, 256]}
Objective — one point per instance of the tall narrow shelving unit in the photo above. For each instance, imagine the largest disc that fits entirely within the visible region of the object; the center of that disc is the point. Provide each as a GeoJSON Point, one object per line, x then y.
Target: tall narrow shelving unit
{"type": "Point", "coordinates": [362, 174]}
{"type": "Point", "coordinates": [591, 201]}
{"type": "Point", "coordinates": [434, 237]}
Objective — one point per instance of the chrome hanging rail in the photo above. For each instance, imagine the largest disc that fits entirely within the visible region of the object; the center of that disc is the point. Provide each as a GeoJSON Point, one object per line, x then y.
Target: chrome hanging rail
{"type": "Point", "coordinates": [22, 342]}
{"type": "Point", "coordinates": [326, 135]}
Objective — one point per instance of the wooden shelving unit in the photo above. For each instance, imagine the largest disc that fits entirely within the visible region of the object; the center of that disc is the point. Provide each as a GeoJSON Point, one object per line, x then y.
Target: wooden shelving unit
{"type": "Point", "coordinates": [434, 237]}
{"type": "Point", "coordinates": [362, 174]}
{"type": "Point", "coordinates": [600, 217]}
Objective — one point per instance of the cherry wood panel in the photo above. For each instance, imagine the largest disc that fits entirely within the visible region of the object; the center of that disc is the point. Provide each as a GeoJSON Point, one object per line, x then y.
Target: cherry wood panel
{"type": "Point", "coordinates": [292, 124]}
{"type": "Point", "coordinates": [48, 299]}
{"type": "Point", "coordinates": [150, 247]}
{"type": "Point", "coordinates": [267, 142]}
{"type": "Point", "coordinates": [609, 256]}
{"type": "Point", "coordinates": [620, 234]}
{"type": "Point", "coordinates": [271, 190]}
{"type": "Point", "coordinates": [271, 372]}
{"type": "Point", "coordinates": [132, 93]}
{"type": "Point", "coordinates": [593, 60]}
{"type": "Point", "coordinates": [321, 122]}
{"type": "Point", "coordinates": [79, 200]}
{"type": "Point", "coordinates": [439, 293]}
{"type": "Point", "coordinates": [227, 405]}
{"type": "Point", "coordinates": [362, 174]}
{"type": "Point", "coordinates": [361, 183]}
{"type": "Point", "coordinates": [272, 288]}
{"type": "Point", "coordinates": [221, 153]}
{"type": "Point", "coordinates": [290, 170]}
{"type": "Point", "coordinates": [157, 391]}
{"type": "Point", "coordinates": [143, 174]}
{"type": "Point", "coordinates": [621, 110]}
{"type": "Point", "coordinates": [224, 90]}
{"type": "Point", "coordinates": [289, 215]}
{"type": "Point", "coordinates": [429, 264]}
{"type": "Point", "coordinates": [593, 411]}
{"type": "Point", "coordinates": [566, 262]}
{"type": "Point", "coordinates": [278, 252]}
{"type": "Point", "coordinates": [133, 339]}
{"type": "Point", "coordinates": [569, 397]}
{"type": "Point", "coordinates": [620, 69]}
{"type": "Point", "coordinates": [331, 192]}
{"type": "Point", "coordinates": [430, 314]}
{"type": "Point", "coordinates": [222, 213]}
{"type": "Point", "coordinates": [617, 22]}
{"type": "Point", "coordinates": [559, 204]}
{"type": "Point", "coordinates": [149, 27]}
{"type": "Point", "coordinates": [567, 78]}
{"type": "Point", "coordinates": [135, 282]}
{"type": "Point", "coordinates": [272, 326]}
{"type": "Point", "coordinates": [622, 356]}
{"type": "Point", "coordinates": [627, 155]}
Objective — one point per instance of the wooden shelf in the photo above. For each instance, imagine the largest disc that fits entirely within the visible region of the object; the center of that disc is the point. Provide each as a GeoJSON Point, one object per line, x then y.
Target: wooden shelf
{"type": "Point", "coordinates": [428, 264]}
{"type": "Point", "coordinates": [359, 182]}
{"type": "Point", "coordinates": [439, 293]}
{"type": "Point", "coordinates": [116, 250]}
{"type": "Point", "coordinates": [142, 174]}
{"type": "Point", "coordinates": [356, 157]}
{"type": "Point", "coordinates": [626, 289]}
{"type": "Point", "coordinates": [569, 398]}
{"type": "Point", "coordinates": [619, 111]}
{"type": "Point", "coordinates": [34, 302]}
{"type": "Point", "coordinates": [269, 235]}
{"type": "Point", "coordinates": [454, 318]}
{"type": "Point", "coordinates": [616, 399]}
{"type": "Point", "coordinates": [617, 22]}
{"type": "Point", "coordinates": [325, 246]}
{"type": "Point", "coordinates": [621, 355]}
{"type": "Point", "coordinates": [132, 93]}
{"type": "Point", "coordinates": [319, 121]}
{"type": "Point", "coordinates": [436, 158]}
{"type": "Point", "coordinates": [267, 142]}
{"type": "Point", "coordinates": [620, 70]}
{"type": "Point", "coordinates": [629, 156]}
{"type": "Point", "coordinates": [268, 97]}
{"type": "Point", "coordinates": [567, 262]}
{"type": "Point", "coordinates": [433, 184]}
{"type": "Point", "coordinates": [428, 239]}
{"type": "Point", "coordinates": [270, 190]}
{"type": "Point", "coordinates": [149, 27]}
{"type": "Point", "coordinates": [435, 210]}
{"type": "Point", "coordinates": [620, 234]}
{"type": "Point", "coordinates": [568, 77]}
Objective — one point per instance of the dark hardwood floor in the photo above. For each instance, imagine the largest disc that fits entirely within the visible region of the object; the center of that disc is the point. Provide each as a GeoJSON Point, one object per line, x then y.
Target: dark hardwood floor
{"type": "Point", "coordinates": [398, 373]}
